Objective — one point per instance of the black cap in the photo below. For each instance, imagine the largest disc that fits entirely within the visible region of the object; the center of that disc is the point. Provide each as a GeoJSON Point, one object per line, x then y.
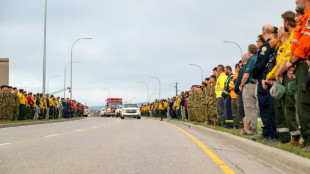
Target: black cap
{"type": "Point", "coordinates": [275, 30]}
{"type": "Point", "coordinates": [213, 76]}
{"type": "Point", "coordinates": [207, 78]}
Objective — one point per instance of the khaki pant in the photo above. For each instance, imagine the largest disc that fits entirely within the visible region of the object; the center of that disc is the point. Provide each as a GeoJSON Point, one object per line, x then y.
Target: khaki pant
{"type": "Point", "coordinates": [250, 107]}
{"type": "Point", "coordinates": [183, 112]}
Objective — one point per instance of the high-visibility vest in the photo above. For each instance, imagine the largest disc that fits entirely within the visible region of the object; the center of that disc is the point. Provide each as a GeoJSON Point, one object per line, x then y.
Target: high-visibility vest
{"type": "Point", "coordinates": [219, 87]}
{"type": "Point", "coordinates": [232, 86]}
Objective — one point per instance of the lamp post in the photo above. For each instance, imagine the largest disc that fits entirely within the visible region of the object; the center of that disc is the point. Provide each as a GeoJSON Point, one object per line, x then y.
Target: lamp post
{"type": "Point", "coordinates": [147, 91]}
{"type": "Point", "coordinates": [44, 50]}
{"type": "Point", "coordinates": [159, 86]}
{"type": "Point", "coordinates": [235, 44]}
{"type": "Point", "coordinates": [65, 77]}
{"type": "Point", "coordinates": [108, 91]}
{"type": "Point", "coordinates": [71, 64]}
{"type": "Point", "coordinates": [48, 82]}
{"type": "Point", "coordinates": [199, 68]}
{"type": "Point", "coordinates": [151, 96]}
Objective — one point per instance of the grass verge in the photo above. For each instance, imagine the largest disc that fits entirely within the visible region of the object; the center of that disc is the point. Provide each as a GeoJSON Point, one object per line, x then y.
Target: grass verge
{"type": "Point", "coordinates": [236, 132]}
{"type": "Point", "coordinates": [27, 121]}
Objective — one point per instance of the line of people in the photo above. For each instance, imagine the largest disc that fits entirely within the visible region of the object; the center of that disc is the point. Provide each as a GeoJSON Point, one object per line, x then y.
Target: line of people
{"type": "Point", "coordinates": [17, 104]}
{"type": "Point", "coordinates": [271, 81]}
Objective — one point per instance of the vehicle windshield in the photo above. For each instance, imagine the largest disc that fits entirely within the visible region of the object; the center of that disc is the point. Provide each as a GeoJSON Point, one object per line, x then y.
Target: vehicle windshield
{"type": "Point", "coordinates": [114, 104]}
{"type": "Point", "coordinates": [130, 106]}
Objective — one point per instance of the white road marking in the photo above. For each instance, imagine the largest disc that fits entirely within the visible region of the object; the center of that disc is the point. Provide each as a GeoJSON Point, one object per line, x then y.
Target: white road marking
{"type": "Point", "coordinates": [51, 135]}
{"type": "Point", "coordinates": [94, 127]}
{"type": "Point", "coordinates": [4, 144]}
{"type": "Point", "coordinates": [79, 130]}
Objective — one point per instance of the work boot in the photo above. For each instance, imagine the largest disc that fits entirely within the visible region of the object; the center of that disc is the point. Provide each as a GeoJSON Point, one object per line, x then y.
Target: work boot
{"type": "Point", "coordinates": [307, 148]}
{"type": "Point", "coordinates": [272, 140]}
{"type": "Point", "coordinates": [260, 137]}
{"type": "Point", "coordinates": [294, 143]}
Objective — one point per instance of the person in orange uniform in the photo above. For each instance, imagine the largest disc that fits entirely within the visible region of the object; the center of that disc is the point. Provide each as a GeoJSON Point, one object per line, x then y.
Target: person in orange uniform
{"type": "Point", "coordinates": [234, 99]}
{"type": "Point", "coordinates": [299, 59]}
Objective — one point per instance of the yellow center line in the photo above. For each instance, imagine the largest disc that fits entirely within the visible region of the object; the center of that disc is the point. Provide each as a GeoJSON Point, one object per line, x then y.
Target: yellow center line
{"type": "Point", "coordinates": [225, 168]}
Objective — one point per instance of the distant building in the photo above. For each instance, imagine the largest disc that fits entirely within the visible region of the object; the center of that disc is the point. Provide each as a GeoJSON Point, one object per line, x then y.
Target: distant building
{"type": "Point", "coordinates": [4, 71]}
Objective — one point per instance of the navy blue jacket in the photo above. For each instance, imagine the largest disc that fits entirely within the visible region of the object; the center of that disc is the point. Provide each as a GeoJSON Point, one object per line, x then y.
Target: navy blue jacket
{"type": "Point", "coordinates": [226, 91]}
{"type": "Point", "coordinates": [239, 79]}
{"type": "Point", "coordinates": [263, 56]}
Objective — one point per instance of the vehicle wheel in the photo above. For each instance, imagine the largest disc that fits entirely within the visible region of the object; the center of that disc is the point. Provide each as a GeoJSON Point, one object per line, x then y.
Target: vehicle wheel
{"type": "Point", "coordinates": [122, 117]}
{"type": "Point", "coordinates": [138, 117]}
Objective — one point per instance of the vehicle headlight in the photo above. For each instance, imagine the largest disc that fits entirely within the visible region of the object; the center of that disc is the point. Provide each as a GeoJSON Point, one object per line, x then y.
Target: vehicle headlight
{"type": "Point", "coordinates": [138, 110]}
{"type": "Point", "coordinates": [124, 111]}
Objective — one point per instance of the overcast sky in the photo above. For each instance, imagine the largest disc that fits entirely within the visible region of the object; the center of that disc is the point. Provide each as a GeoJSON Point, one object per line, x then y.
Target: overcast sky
{"type": "Point", "coordinates": [132, 40]}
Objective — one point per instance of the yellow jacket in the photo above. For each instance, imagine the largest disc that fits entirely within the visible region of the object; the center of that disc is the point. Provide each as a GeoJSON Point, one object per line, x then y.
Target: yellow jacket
{"type": "Point", "coordinates": [34, 102]}
{"type": "Point", "coordinates": [219, 87]}
{"type": "Point", "coordinates": [58, 104]}
{"type": "Point", "coordinates": [41, 104]}
{"type": "Point", "coordinates": [22, 98]}
{"type": "Point", "coordinates": [45, 104]}
{"type": "Point", "coordinates": [285, 55]}
{"type": "Point", "coordinates": [52, 104]}
{"type": "Point", "coordinates": [165, 105]}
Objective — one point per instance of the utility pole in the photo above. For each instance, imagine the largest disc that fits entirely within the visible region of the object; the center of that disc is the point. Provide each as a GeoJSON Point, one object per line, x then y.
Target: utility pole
{"type": "Point", "coordinates": [176, 88]}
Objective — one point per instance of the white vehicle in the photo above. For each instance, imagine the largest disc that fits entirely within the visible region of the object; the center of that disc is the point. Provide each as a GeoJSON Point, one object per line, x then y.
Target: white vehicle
{"type": "Point", "coordinates": [130, 110]}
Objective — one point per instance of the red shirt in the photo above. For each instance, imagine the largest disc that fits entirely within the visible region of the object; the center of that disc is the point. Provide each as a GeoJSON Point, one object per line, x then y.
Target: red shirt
{"type": "Point", "coordinates": [30, 101]}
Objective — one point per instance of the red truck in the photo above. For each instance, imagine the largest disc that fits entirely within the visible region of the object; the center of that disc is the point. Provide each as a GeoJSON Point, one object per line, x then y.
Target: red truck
{"type": "Point", "coordinates": [112, 105]}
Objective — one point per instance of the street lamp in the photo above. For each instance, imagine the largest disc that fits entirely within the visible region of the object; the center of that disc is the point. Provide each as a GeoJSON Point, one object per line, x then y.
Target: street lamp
{"type": "Point", "coordinates": [159, 85]}
{"type": "Point", "coordinates": [71, 64]}
{"type": "Point", "coordinates": [151, 96]}
{"type": "Point", "coordinates": [147, 91]}
{"type": "Point", "coordinates": [44, 50]}
{"type": "Point", "coordinates": [235, 44]}
{"type": "Point", "coordinates": [28, 85]}
{"type": "Point", "coordinates": [65, 77]}
{"type": "Point", "coordinates": [108, 91]}
{"type": "Point", "coordinates": [199, 68]}
{"type": "Point", "coordinates": [48, 82]}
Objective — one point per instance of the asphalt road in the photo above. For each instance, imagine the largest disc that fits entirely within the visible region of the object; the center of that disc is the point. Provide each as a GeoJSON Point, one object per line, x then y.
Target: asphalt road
{"type": "Point", "coordinates": [112, 145]}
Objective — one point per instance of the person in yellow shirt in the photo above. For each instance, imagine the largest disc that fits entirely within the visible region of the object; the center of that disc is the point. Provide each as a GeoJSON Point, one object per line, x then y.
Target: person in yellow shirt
{"type": "Point", "coordinates": [287, 120]}
{"type": "Point", "coordinates": [41, 109]}
{"type": "Point", "coordinates": [57, 106]}
{"type": "Point", "coordinates": [22, 105]}
{"type": "Point", "coordinates": [52, 106]}
{"type": "Point", "coordinates": [34, 99]}
{"type": "Point", "coordinates": [219, 87]}
{"type": "Point", "coordinates": [46, 109]}
{"type": "Point", "coordinates": [162, 109]}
